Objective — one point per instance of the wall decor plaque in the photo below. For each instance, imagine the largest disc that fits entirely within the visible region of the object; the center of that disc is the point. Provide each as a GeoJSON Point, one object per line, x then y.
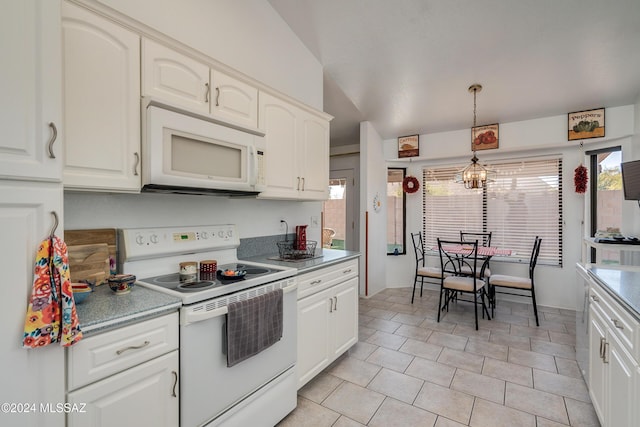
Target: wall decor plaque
{"type": "Point", "coordinates": [409, 146]}
{"type": "Point", "coordinates": [586, 124]}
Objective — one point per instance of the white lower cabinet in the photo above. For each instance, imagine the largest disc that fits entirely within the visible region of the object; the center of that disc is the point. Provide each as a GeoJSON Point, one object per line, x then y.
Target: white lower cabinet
{"type": "Point", "coordinates": [614, 376]}
{"type": "Point", "coordinates": [327, 317]}
{"type": "Point", "coordinates": [146, 395]}
{"type": "Point", "coordinates": [127, 376]}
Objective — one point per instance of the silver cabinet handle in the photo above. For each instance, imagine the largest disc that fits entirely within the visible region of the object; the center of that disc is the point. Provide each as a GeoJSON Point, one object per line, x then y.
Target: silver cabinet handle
{"type": "Point", "coordinates": [206, 94]}
{"type": "Point", "coordinates": [315, 282]}
{"type": "Point", "coordinates": [347, 271]}
{"type": "Point", "coordinates": [54, 136]}
{"type": "Point", "coordinates": [602, 340]}
{"type": "Point", "coordinates": [302, 183]}
{"type": "Point", "coordinates": [217, 97]}
{"type": "Point", "coordinates": [298, 187]}
{"type": "Point", "coordinates": [135, 167]}
{"type": "Point", "coordinates": [330, 305]}
{"type": "Point", "coordinates": [133, 347]}
{"type": "Point", "coordinates": [617, 323]}
{"type": "Point", "coordinates": [175, 383]}
{"type": "Point", "coordinates": [335, 307]}
{"type": "Point", "coordinates": [604, 352]}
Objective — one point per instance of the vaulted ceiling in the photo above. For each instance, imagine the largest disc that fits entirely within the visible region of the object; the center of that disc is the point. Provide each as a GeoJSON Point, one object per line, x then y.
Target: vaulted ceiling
{"type": "Point", "coordinates": [406, 65]}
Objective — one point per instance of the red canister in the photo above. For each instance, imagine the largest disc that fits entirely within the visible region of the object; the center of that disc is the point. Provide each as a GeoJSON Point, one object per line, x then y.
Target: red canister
{"type": "Point", "coordinates": [208, 266]}
{"type": "Point", "coordinates": [301, 237]}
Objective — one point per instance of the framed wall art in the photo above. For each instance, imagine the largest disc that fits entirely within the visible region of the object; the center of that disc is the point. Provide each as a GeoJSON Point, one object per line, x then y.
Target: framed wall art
{"type": "Point", "coordinates": [586, 124]}
{"type": "Point", "coordinates": [409, 146]}
{"type": "Point", "coordinates": [484, 137]}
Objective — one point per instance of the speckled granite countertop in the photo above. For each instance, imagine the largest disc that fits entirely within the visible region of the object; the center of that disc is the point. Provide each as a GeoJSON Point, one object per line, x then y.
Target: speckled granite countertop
{"type": "Point", "coordinates": [104, 310]}
{"type": "Point", "coordinates": [623, 285]}
{"type": "Point", "coordinates": [329, 256]}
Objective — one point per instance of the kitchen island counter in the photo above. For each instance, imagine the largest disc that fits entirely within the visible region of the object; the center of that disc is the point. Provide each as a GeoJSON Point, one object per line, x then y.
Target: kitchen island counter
{"type": "Point", "coordinates": [328, 257]}
{"type": "Point", "coordinates": [104, 310]}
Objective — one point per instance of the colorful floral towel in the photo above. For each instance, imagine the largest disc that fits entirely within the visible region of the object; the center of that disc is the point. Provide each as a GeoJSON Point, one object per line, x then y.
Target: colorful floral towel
{"type": "Point", "coordinates": [51, 315]}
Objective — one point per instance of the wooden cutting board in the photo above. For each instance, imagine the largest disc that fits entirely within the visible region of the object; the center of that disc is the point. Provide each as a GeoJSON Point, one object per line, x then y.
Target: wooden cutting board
{"type": "Point", "coordinates": [89, 262]}
{"type": "Point", "coordinates": [92, 236]}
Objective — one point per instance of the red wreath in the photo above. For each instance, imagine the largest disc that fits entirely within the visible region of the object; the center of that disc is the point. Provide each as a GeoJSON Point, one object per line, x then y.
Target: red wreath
{"type": "Point", "coordinates": [580, 179]}
{"type": "Point", "coordinates": [410, 184]}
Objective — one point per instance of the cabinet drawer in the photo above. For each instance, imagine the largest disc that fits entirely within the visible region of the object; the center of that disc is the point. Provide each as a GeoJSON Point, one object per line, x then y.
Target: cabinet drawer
{"type": "Point", "coordinates": [103, 355]}
{"type": "Point", "coordinates": [310, 283]}
{"type": "Point", "coordinates": [618, 319]}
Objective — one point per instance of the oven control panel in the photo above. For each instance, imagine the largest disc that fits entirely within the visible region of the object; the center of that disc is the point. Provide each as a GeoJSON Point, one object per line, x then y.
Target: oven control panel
{"type": "Point", "coordinates": [141, 243]}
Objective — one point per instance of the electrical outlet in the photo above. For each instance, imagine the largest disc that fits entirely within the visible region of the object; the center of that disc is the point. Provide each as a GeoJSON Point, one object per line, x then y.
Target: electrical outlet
{"type": "Point", "coordinates": [315, 223]}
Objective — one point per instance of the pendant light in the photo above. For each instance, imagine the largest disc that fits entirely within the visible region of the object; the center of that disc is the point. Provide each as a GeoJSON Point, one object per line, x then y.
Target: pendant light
{"type": "Point", "coordinates": [475, 175]}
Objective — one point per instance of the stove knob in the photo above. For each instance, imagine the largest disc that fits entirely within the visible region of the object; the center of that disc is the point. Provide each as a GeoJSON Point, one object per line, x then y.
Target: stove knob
{"type": "Point", "coordinates": [154, 238]}
{"type": "Point", "coordinates": [229, 233]}
{"type": "Point", "coordinates": [221, 233]}
{"type": "Point", "coordinates": [139, 239]}
{"type": "Point", "coordinates": [204, 235]}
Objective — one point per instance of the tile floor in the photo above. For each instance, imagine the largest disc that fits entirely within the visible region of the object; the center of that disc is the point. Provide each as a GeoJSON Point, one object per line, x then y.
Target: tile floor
{"type": "Point", "coordinates": [408, 370]}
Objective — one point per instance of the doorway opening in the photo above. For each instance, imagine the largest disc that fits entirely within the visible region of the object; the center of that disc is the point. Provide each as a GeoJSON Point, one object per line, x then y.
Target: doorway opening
{"type": "Point", "coordinates": [338, 221]}
{"type": "Point", "coordinates": [606, 198]}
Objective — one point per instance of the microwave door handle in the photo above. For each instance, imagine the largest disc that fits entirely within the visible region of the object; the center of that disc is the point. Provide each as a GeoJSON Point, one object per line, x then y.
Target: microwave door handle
{"type": "Point", "coordinates": [253, 161]}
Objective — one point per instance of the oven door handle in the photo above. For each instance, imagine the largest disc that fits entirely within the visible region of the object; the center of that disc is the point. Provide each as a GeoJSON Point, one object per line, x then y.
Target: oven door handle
{"type": "Point", "coordinates": [186, 317]}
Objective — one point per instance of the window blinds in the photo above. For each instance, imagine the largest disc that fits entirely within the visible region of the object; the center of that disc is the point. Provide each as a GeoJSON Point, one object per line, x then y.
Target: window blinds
{"type": "Point", "coordinates": [524, 201]}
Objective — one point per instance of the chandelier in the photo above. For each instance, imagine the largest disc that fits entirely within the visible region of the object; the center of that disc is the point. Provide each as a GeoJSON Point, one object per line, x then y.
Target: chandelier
{"type": "Point", "coordinates": [475, 175]}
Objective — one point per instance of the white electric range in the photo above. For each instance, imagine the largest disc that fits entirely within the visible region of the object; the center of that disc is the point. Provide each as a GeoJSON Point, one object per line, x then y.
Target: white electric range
{"type": "Point", "coordinates": [259, 391]}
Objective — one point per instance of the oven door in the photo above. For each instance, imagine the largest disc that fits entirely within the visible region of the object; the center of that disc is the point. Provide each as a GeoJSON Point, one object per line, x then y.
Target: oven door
{"type": "Point", "coordinates": [188, 152]}
{"type": "Point", "coordinates": [210, 390]}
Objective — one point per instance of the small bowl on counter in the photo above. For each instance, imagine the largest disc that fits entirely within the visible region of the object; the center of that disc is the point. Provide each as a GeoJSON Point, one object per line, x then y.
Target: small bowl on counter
{"type": "Point", "coordinates": [121, 283]}
{"type": "Point", "coordinates": [80, 292]}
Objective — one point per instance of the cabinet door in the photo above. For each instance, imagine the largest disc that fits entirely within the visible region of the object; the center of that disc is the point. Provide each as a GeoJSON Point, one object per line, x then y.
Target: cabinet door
{"type": "Point", "coordinates": [278, 120]}
{"type": "Point", "coordinates": [175, 78]}
{"type": "Point", "coordinates": [101, 102]}
{"type": "Point", "coordinates": [344, 318]}
{"type": "Point", "coordinates": [25, 220]}
{"type": "Point", "coordinates": [314, 158]}
{"type": "Point", "coordinates": [313, 335]}
{"type": "Point", "coordinates": [31, 90]}
{"type": "Point", "coordinates": [234, 101]}
{"type": "Point", "coordinates": [597, 368]}
{"type": "Point", "coordinates": [146, 395]}
{"type": "Point", "coordinates": [621, 376]}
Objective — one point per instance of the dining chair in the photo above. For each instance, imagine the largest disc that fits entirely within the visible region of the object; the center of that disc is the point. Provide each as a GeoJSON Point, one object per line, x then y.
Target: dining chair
{"type": "Point", "coordinates": [459, 275]}
{"type": "Point", "coordinates": [422, 271]}
{"type": "Point", "coordinates": [517, 282]}
{"type": "Point", "coordinates": [484, 239]}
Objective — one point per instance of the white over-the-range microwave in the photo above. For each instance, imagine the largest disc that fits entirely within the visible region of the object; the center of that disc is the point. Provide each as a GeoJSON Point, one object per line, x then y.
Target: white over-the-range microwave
{"type": "Point", "coordinates": [187, 153]}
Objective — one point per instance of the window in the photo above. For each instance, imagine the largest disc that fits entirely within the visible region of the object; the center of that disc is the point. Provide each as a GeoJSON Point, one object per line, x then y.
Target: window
{"type": "Point", "coordinates": [606, 198]}
{"type": "Point", "coordinates": [396, 207]}
{"type": "Point", "coordinates": [524, 201]}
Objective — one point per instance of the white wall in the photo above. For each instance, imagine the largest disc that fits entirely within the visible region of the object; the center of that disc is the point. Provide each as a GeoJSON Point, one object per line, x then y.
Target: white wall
{"type": "Point", "coordinates": [250, 37]}
{"type": "Point", "coordinates": [555, 286]}
{"type": "Point", "coordinates": [246, 35]}
{"type": "Point", "coordinates": [373, 180]}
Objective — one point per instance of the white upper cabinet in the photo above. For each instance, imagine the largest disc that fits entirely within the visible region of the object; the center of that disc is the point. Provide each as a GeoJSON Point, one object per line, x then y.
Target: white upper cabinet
{"type": "Point", "coordinates": [182, 81]}
{"type": "Point", "coordinates": [233, 100]}
{"type": "Point", "coordinates": [297, 151]}
{"type": "Point", "coordinates": [31, 143]}
{"type": "Point", "coordinates": [314, 160]}
{"type": "Point", "coordinates": [174, 77]}
{"type": "Point", "coordinates": [101, 69]}
{"type": "Point", "coordinates": [279, 121]}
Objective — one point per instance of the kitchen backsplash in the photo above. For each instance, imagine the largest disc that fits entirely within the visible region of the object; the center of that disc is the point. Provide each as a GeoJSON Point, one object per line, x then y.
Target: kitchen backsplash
{"type": "Point", "coordinates": [264, 245]}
